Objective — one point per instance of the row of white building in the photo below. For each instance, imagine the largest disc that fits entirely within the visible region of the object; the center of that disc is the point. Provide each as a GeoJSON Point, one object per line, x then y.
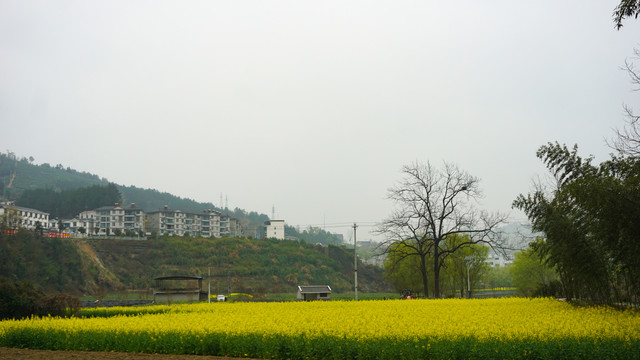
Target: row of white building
{"type": "Point", "coordinates": [134, 221]}
{"type": "Point", "coordinates": [109, 220]}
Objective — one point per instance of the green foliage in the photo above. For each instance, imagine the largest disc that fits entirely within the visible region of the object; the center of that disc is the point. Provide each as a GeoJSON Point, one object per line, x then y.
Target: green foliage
{"type": "Point", "coordinates": [626, 8]}
{"type": "Point", "coordinates": [532, 276]}
{"type": "Point", "coordinates": [313, 235]}
{"type": "Point", "coordinates": [49, 188]}
{"type": "Point", "coordinates": [434, 207]}
{"type": "Point", "coordinates": [403, 268]}
{"type": "Point", "coordinates": [237, 265]}
{"type": "Point", "coordinates": [22, 175]}
{"type": "Point", "coordinates": [69, 203]}
{"type": "Point", "coordinates": [53, 264]}
{"type": "Point", "coordinates": [467, 263]}
{"type": "Point", "coordinates": [590, 223]}
{"type": "Point", "coordinates": [21, 300]}
{"type": "Point", "coordinates": [10, 219]}
{"type": "Point", "coordinates": [498, 277]}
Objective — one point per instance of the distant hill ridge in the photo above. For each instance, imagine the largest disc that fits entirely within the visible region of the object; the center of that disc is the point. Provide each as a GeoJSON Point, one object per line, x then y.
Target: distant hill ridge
{"type": "Point", "coordinates": [20, 174]}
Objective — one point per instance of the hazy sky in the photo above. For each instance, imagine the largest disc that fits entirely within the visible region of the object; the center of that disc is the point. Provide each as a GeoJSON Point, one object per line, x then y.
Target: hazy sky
{"type": "Point", "coordinates": [309, 106]}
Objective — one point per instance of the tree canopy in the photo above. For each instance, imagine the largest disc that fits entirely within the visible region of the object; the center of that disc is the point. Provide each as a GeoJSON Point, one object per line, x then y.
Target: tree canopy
{"type": "Point", "coordinates": [69, 203]}
{"type": "Point", "coordinates": [531, 275]}
{"type": "Point", "coordinates": [591, 223]}
{"type": "Point", "coordinates": [432, 207]}
{"type": "Point", "coordinates": [625, 9]}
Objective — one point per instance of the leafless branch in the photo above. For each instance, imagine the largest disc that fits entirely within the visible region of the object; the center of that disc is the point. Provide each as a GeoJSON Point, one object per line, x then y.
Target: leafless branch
{"type": "Point", "coordinates": [433, 204]}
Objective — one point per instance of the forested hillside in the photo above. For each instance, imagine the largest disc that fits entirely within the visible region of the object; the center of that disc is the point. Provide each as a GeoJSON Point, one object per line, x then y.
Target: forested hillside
{"type": "Point", "coordinates": [244, 265]}
{"type": "Point", "coordinates": [64, 193]}
{"type": "Point", "coordinates": [313, 235]}
{"type": "Point", "coordinates": [20, 174]}
{"type": "Point", "coordinates": [52, 264]}
{"type": "Point", "coordinates": [69, 203]}
{"type": "Point", "coordinates": [20, 178]}
{"type": "Point", "coordinates": [239, 265]}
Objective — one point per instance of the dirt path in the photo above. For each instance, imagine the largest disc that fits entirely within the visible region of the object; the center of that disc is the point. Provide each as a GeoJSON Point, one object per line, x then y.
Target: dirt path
{"type": "Point", "coordinates": [13, 175]}
{"type": "Point", "coordinates": [28, 354]}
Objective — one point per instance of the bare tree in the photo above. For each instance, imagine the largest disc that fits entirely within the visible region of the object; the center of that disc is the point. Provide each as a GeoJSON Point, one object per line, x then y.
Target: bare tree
{"type": "Point", "coordinates": [433, 204]}
{"type": "Point", "coordinates": [627, 141]}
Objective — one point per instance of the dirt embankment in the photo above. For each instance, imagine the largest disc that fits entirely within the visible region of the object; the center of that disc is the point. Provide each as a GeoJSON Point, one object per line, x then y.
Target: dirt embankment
{"type": "Point", "coordinates": [28, 354]}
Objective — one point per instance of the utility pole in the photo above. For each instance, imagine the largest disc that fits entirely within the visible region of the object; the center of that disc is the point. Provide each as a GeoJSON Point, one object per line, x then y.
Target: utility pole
{"type": "Point", "coordinates": [355, 260]}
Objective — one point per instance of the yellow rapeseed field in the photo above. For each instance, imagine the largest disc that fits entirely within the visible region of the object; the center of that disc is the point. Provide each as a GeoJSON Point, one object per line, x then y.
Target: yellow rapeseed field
{"type": "Point", "coordinates": [513, 328]}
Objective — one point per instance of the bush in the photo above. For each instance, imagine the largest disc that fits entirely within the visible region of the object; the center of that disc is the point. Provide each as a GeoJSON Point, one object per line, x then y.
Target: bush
{"type": "Point", "coordinates": [21, 300]}
{"type": "Point", "coordinates": [59, 305]}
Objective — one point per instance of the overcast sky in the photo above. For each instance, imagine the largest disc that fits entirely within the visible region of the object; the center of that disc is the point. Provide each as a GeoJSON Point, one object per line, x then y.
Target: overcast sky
{"type": "Point", "coordinates": [311, 107]}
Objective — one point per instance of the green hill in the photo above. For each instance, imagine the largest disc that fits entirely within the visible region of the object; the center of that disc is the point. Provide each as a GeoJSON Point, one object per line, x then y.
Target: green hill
{"type": "Point", "coordinates": [244, 265]}
{"type": "Point", "coordinates": [64, 193]}
{"type": "Point", "coordinates": [240, 265]}
{"type": "Point", "coordinates": [20, 175]}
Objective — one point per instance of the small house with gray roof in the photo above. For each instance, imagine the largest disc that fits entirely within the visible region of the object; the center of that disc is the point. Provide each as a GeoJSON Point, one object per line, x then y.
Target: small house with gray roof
{"type": "Point", "coordinates": [313, 292]}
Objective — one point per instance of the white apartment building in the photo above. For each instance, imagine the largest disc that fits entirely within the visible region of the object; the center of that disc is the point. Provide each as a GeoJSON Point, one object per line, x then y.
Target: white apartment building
{"type": "Point", "coordinates": [235, 229]}
{"type": "Point", "coordinates": [274, 229]}
{"type": "Point", "coordinates": [85, 220]}
{"type": "Point", "coordinates": [497, 260]}
{"type": "Point", "coordinates": [26, 218]}
{"type": "Point", "coordinates": [107, 220]}
{"type": "Point", "coordinates": [111, 218]}
{"type": "Point", "coordinates": [208, 223]}
{"type": "Point", "coordinates": [166, 221]}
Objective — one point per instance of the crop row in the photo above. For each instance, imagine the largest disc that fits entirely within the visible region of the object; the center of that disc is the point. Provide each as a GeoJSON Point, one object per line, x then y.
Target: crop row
{"type": "Point", "coordinates": [438, 329]}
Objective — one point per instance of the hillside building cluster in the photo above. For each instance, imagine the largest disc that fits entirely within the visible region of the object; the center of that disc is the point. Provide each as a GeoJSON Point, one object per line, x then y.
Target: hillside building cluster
{"type": "Point", "coordinates": [132, 220]}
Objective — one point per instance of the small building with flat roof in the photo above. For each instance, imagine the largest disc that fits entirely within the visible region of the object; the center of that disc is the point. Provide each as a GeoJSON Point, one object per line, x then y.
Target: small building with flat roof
{"type": "Point", "coordinates": [178, 288]}
{"type": "Point", "coordinates": [313, 292]}
{"type": "Point", "coordinates": [273, 229]}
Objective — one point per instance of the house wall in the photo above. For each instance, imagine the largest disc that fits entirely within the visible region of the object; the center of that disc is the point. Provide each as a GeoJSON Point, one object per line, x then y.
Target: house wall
{"type": "Point", "coordinates": [274, 229]}
{"type": "Point", "coordinates": [119, 217]}
{"type": "Point", "coordinates": [27, 218]}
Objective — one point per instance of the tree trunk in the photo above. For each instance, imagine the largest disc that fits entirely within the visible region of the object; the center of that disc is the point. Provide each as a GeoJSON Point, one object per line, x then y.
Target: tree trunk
{"type": "Point", "coordinates": [423, 272]}
{"type": "Point", "coordinates": [436, 272]}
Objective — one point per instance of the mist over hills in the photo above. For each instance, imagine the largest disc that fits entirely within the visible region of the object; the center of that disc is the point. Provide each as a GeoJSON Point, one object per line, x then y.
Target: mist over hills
{"type": "Point", "coordinates": [20, 174]}
{"type": "Point", "coordinates": [90, 266]}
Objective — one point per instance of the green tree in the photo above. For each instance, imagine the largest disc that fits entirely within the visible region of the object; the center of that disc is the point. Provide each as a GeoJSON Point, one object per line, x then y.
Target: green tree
{"type": "Point", "coordinates": [590, 224]}
{"type": "Point", "coordinates": [433, 205]}
{"type": "Point", "coordinates": [10, 219]}
{"type": "Point", "coordinates": [625, 9]}
{"type": "Point", "coordinates": [466, 267]}
{"type": "Point", "coordinates": [60, 226]}
{"type": "Point", "coordinates": [401, 269]}
{"type": "Point", "coordinates": [69, 203]}
{"type": "Point", "coordinates": [498, 276]}
{"type": "Point", "coordinates": [39, 229]}
{"type": "Point", "coordinates": [530, 274]}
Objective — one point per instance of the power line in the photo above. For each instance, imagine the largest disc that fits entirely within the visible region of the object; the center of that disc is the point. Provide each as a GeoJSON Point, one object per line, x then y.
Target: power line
{"type": "Point", "coordinates": [338, 225]}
